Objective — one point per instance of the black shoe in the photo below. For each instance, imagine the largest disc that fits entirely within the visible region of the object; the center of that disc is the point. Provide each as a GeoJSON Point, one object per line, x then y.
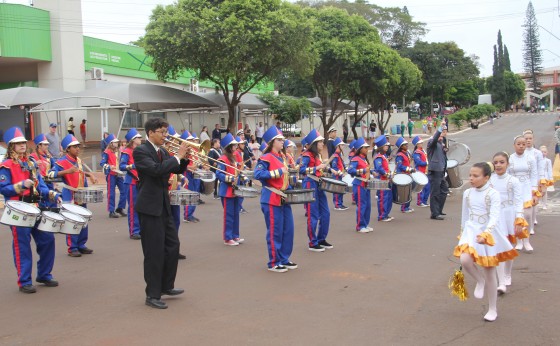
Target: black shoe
{"type": "Point", "coordinates": [201, 202]}
{"type": "Point", "coordinates": [182, 257]}
{"type": "Point", "coordinates": [325, 245]}
{"type": "Point", "coordinates": [290, 265]}
{"type": "Point", "coordinates": [114, 215]}
{"type": "Point", "coordinates": [155, 303]}
{"type": "Point", "coordinates": [28, 289]}
{"type": "Point", "coordinates": [443, 214]}
{"type": "Point", "coordinates": [75, 253]}
{"type": "Point", "coordinates": [173, 292]}
{"type": "Point", "coordinates": [48, 283]}
{"type": "Point", "coordinates": [135, 237]}
{"type": "Point", "coordinates": [193, 219]}
{"type": "Point", "coordinates": [85, 251]}
{"type": "Point", "coordinates": [439, 217]}
{"type": "Point", "coordinates": [121, 212]}
{"type": "Point", "coordinates": [316, 248]}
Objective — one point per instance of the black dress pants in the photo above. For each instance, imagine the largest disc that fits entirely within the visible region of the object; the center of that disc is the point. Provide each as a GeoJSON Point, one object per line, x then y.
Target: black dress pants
{"type": "Point", "coordinates": [160, 244]}
{"type": "Point", "coordinates": [438, 192]}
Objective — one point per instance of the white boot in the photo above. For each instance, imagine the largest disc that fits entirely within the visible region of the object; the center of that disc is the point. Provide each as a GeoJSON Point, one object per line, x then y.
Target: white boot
{"type": "Point", "coordinates": [527, 245]}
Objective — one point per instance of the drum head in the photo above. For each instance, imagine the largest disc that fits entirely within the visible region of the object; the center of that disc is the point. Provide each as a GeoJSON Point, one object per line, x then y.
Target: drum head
{"type": "Point", "coordinates": [333, 181]}
{"type": "Point", "coordinates": [73, 217]}
{"type": "Point", "coordinates": [402, 179]}
{"type": "Point", "coordinates": [452, 164]}
{"type": "Point", "coordinates": [209, 179]}
{"type": "Point", "coordinates": [53, 216]}
{"type": "Point", "coordinates": [420, 178]}
{"type": "Point", "coordinates": [459, 152]}
{"type": "Point", "coordinates": [76, 209]}
{"type": "Point", "coordinates": [392, 166]}
{"type": "Point", "coordinates": [347, 178]}
{"type": "Point", "coordinates": [23, 207]}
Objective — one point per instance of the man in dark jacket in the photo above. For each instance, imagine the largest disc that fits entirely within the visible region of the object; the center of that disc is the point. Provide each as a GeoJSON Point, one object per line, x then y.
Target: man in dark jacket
{"type": "Point", "coordinates": [216, 132]}
{"type": "Point", "coordinates": [437, 158]}
{"type": "Point", "coordinates": [160, 241]}
{"type": "Point", "coordinates": [215, 153]}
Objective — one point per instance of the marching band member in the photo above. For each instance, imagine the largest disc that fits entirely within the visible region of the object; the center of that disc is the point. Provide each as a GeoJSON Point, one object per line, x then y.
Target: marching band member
{"type": "Point", "coordinates": [71, 170]}
{"type": "Point", "coordinates": [524, 167]}
{"type": "Point", "coordinates": [318, 214]}
{"type": "Point", "coordinates": [381, 167]}
{"type": "Point", "coordinates": [480, 241]}
{"type": "Point", "coordinates": [511, 219]}
{"type": "Point", "coordinates": [193, 182]}
{"type": "Point", "coordinates": [230, 201]}
{"type": "Point", "coordinates": [290, 149]}
{"type": "Point", "coordinates": [242, 181]}
{"type": "Point", "coordinates": [351, 154]}
{"type": "Point", "coordinates": [542, 182]}
{"type": "Point", "coordinates": [360, 170]}
{"type": "Point", "coordinates": [44, 161]}
{"type": "Point", "coordinates": [272, 172]}
{"type": "Point", "coordinates": [421, 164]}
{"type": "Point", "coordinates": [547, 169]}
{"type": "Point", "coordinates": [215, 154]}
{"type": "Point", "coordinates": [126, 164]}
{"type": "Point", "coordinates": [110, 161]}
{"type": "Point", "coordinates": [337, 169]}
{"type": "Point", "coordinates": [403, 163]}
{"type": "Point", "coordinates": [21, 181]}
{"type": "Point", "coordinates": [304, 147]}
{"type": "Point", "coordinates": [331, 146]}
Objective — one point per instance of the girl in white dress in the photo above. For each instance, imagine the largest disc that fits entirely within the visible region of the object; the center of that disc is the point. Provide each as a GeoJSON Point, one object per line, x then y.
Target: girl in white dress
{"type": "Point", "coordinates": [480, 241]}
{"type": "Point", "coordinates": [512, 222]}
{"type": "Point", "coordinates": [541, 181]}
{"type": "Point", "coordinates": [524, 167]}
{"type": "Point", "coordinates": [547, 168]}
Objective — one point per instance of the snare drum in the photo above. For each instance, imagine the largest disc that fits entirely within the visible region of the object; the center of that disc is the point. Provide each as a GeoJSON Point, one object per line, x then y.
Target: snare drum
{"type": "Point", "coordinates": [76, 209]}
{"type": "Point", "coordinates": [299, 196]}
{"type": "Point", "coordinates": [347, 178]}
{"type": "Point", "coordinates": [377, 184]}
{"type": "Point", "coordinates": [453, 174]}
{"type": "Point", "coordinates": [20, 214]}
{"type": "Point", "coordinates": [333, 185]}
{"type": "Point", "coordinates": [208, 182]}
{"type": "Point", "coordinates": [50, 222]}
{"type": "Point", "coordinates": [245, 191]}
{"type": "Point", "coordinates": [120, 174]}
{"type": "Point", "coordinates": [73, 223]}
{"type": "Point", "coordinates": [248, 174]}
{"type": "Point", "coordinates": [202, 174]}
{"type": "Point", "coordinates": [419, 180]}
{"type": "Point", "coordinates": [88, 196]}
{"type": "Point", "coordinates": [402, 188]}
{"type": "Point", "coordinates": [184, 197]}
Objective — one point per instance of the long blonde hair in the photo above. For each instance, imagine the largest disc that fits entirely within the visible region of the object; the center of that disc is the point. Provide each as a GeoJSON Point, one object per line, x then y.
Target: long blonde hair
{"type": "Point", "coordinates": [15, 156]}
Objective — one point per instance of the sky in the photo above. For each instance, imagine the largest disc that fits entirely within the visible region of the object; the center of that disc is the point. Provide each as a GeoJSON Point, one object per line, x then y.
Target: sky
{"type": "Point", "coordinates": [472, 24]}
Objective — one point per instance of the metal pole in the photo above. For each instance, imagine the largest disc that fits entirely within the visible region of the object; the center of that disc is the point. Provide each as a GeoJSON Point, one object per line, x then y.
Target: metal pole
{"type": "Point", "coordinates": [122, 121]}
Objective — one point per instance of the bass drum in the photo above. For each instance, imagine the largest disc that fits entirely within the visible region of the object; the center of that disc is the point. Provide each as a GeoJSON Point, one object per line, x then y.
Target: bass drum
{"type": "Point", "coordinates": [453, 175]}
{"type": "Point", "coordinates": [459, 152]}
{"type": "Point", "coordinates": [402, 188]}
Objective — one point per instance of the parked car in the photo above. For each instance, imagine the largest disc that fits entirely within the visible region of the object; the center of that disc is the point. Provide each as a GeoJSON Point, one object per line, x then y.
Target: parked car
{"type": "Point", "coordinates": [291, 130]}
{"type": "Point", "coordinates": [448, 110]}
{"type": "Point", "coordinates": [435, 108]}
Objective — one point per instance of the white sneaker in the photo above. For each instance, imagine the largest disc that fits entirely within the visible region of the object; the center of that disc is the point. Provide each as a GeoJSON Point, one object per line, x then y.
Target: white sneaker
{"type": "Point", "coordinates": [519, 245]}
{"type": "Point", "coordinates": [239, 240]}
{"type": "Point", "coordinates": [507, 280]}
{"type": "Point", "coordinates": [544, 207]}
{"type": "Point", "coordinates": [532, 231]}
{"type": "Point", "coordinates": [278, 269]}
{"type": "Point", "coordinates": [408, 211]}
{"type": "Point", "coordinates": [424, 205]}
{"type": "Point", "coordinates": [528, 247]}
{"type": "Point", "coordinates": [231, 242]}
{"type": "Point", "coordinates": [364, 230]}
{"type": "Point", "coordinates": [502, 289]}
{"type": "Point", "coordinates": [370, 229]}
{"type": "Point", "coordinates": [536, 222]}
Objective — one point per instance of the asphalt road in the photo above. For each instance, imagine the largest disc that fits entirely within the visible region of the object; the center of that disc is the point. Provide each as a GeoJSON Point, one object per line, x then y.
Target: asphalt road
{"type": "Point", "coordinates": [388, 287]}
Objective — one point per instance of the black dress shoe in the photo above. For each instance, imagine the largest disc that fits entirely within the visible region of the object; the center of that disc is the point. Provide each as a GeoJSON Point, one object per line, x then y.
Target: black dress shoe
{"type": "Point", "coordinates": [443, 214]}
{"type": "Point", "coordinates": [155, 303]}
{"type": "Point", "coordinates": [86, 251]}
{"type": "Point", "coordinates": [182, 257]}
{"type": "Point", "coordinates": [135, 237]}
{"type": "Point", "coordinates": [439, 217]}
{"type": "Point", "coordinates": [173, 292]}
{"type": "Point", "coordinates": [28, 289]}
{"type": "Point", "coordinates": [114, 215]}
{"type": "Point", "coordinates": [49, 283]}
{"type": "Point", "coordinates": [201, 202]}
{"type": "Point", "coordinates": [121, 212]}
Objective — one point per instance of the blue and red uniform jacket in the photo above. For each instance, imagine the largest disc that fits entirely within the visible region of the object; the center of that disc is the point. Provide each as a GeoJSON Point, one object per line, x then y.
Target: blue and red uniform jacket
{"type": "Point", "coordinates": [226, 190]}
{"type": "Point", "coordinates": [337, 164]}
{"type": "Point", "coordinates": [44, 162]}
{"type": "Point", "coordinates": [403, 162]}
{"type": "Point", "coordinates": [381, 166]}
{"type": "Point", "coordinates": [12, 175]}
{"type": "Point", "coordinates": [420, 160]}
{"type": "Point", "coordinates": [359, 168]}
{"type": "Point", "coordinates": [309, 164]}
{"type": "Point", "coordinates": [75, 180]}
{"type": "Point", "coordinates": [108, 158]}
{"type": "Point", "coordinates": [127, 165]}
{"type": "Point", "coordinates": [291, 160]}
{"type": "Point", "coordinates": [269, 172]}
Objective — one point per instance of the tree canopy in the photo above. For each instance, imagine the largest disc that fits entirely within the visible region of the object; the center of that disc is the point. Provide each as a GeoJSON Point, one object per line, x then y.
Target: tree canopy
{"type": "Point", "coordinates": [532, 54]}
{"type": "Point", "coordinates": [234, 43]}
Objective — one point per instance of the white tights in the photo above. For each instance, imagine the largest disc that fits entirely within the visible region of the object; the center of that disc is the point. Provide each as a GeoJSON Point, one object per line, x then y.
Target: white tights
{"type": "Point", "coordinates": [486, 282]}
{"type": "Point", "coordinates": [504, 271]}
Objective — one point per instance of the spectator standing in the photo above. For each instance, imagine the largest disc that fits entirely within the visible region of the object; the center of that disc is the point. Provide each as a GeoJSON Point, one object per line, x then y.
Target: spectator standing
{"type": "Point", "coordinates": [556, 137]}
{"type": "Point", "coordinates": [254, 146]}
{"type": "Point", "coordinates": [247, 132]}
{"type": "Point", "coordinates": [402, 128]}
{"type": "Point", "coordinates": [103, 143]}
{"type": "Point", "coordinates": [410, 127]}
{"type": "Point", "coordinates": [83, 131]}
{"type": "Point", "coordinates": [372, 129]}
{"type": "Point", "coordinates": [216, 132]}
{"type": "Point", "coordinates": [214, 154]}
{"type": "Point", "coordinates": [204, 134]}
{"type": "Point", "coordinates": [425, 126]}
{"type": "Point", "coordinates": [54, 141]}
{"type": "Point", "coordinates": [345, 131]}
{"type": "Point", "coordinates": [70, 126]}
{"type": "Point", "coordinates": [259, 132]}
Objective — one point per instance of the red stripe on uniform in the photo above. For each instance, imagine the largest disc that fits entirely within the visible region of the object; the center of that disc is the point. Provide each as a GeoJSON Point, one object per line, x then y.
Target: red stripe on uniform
{"type": "Point", "coordinates": [69, 242]}
{"type": "Point", "coordinates": [16, 253]}
{"type": "Point", "coordinates": [272, 245]}
{"type": "Point", "coordinates": [381, 203]}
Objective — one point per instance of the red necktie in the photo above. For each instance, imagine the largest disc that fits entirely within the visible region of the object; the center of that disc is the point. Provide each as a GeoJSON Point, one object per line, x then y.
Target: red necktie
{"type": "Point", "coordinates": [159, 155]}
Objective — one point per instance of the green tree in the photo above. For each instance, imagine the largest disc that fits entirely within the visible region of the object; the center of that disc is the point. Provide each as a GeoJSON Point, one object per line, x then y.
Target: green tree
{"type": "Point", "coordinates": [234, 43]}
{"type": "Point", "coordinates": [514, 88]}
{"type": "Point", "coordinates": [464, 93]}
{"type": "Point", "coordinates": [287, 109]}
{"type": "Point", "coordinates": [532, 54]}
{"type": "Point", "coordinates": [443, 65]}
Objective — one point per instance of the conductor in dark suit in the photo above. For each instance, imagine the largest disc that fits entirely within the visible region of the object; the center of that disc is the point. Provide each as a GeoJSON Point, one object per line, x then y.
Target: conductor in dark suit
{"type": "Point", "coordinates": [160, 242]}
{"type": "Point", "coordinates": [437, 165]}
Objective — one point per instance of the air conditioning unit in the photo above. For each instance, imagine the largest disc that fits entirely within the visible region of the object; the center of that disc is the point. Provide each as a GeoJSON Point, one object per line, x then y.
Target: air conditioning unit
{"type": "Point", "coordinates": [194, 84]}
{"type": "Point", "coordinates": [97, 73]}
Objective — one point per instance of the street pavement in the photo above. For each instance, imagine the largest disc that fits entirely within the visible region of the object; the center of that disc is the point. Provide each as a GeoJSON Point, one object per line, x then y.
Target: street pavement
{"type": "Point", "coordinates": [388, 287]}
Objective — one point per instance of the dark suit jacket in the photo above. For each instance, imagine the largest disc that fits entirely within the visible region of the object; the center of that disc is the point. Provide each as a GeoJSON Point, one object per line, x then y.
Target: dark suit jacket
{"type": "Point", "coordinates": [153, 179]}
{"type": "Point", "coordinates": [437, 158]}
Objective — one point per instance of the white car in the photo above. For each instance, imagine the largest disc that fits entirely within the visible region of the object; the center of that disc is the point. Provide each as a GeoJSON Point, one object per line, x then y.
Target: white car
{"type": "Point", "coordinates": [2, 153]}
{"type": "Point", "coordinates": [291, 130]}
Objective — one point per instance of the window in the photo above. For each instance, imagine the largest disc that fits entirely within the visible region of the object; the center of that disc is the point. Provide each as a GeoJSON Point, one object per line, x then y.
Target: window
{"type": "Point", "coordinates": [132, 119]}
{"type": "Point", "coordinates": [156, 115]}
